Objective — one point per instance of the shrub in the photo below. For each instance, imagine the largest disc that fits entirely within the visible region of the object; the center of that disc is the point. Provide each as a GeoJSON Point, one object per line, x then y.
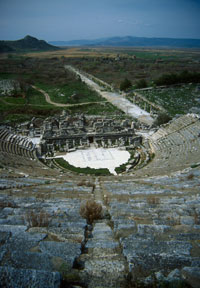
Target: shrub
{"type": "Point", "coordinates": [142, 83]}
{"type": "Point", "coordinates": [4, 204]}
{"type": "Point", "coordinates": [183, 77]}
{"type": "Point", "coordinates": [37, 218]}
{"type": "Point", "coordinates": [151, 200]}
{"type": "Point", "coordinates": [125, 84]}
{"type": "Point", "coordinates": [91, 211]}
{"type": "Point", "coordinates": [190, 176]}
{"type": "Point", "coordinates": [87, 184]}
{"type": "Point", "coordinates": [162, 118]}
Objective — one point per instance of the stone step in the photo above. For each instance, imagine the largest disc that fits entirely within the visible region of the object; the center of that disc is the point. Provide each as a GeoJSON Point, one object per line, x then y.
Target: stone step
{"type": "Point", "coordinates": [152, 255]}
{"type": "Point", "coordinates": [14, 277]}
{"type": "Point", "coordinates": [104, 273]}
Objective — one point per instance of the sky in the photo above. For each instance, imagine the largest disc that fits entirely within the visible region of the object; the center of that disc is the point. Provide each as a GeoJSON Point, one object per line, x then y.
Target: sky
{"type": "Point", "coordinates": [54, 20]}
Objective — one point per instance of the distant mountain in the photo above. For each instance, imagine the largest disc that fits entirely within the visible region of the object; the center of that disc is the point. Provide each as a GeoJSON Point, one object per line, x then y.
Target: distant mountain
{"type": "Point", "coordinates": [28, 43]}
{"type": "Point", "coordinates": [130, 41]}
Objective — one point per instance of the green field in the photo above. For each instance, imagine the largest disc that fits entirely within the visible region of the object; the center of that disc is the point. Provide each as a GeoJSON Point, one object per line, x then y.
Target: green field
{"type": "Point", "coordinates": [176, 99]}
{"type": "Point", "coordinates": [46, 71]}
{"type": "Point", "coordinates": [18, 108]}
{"type": "Point", "coordinates": [70, 93]}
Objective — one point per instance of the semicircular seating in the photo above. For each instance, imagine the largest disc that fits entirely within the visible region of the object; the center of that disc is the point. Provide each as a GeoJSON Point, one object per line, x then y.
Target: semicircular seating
{"type": "Point", "coordinates": [15, 144]}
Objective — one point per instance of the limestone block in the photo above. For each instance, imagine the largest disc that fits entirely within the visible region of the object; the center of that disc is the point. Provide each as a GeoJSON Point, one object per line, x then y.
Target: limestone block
{"type": "Point", "coordinates": [187, 220]}
{"type": "Point", "coordinates": [191, 275]}
{"type": "Point", "coordinates": [68, 251]}
{"type": "Point", "coordinates": [14, 229]}
{"type": "Point", "coordinates": [23, 278]}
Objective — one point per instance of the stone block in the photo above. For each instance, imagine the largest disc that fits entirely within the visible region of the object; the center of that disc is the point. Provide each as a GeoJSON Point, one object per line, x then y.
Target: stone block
{"type": "Point", "coordinates": [187, 220]}
{"type": "Point", "coordinates": [174, 275]}
{"type": "Point", "coordinates": [149, 229]}
{"type": "Point", "coordinates": [101, 244]}
{"type": "Point", "coordinates": [191, 275]}
{"type": "Point", "coordinates": [31, 260]}
{"type": "Point", "coordinates": [14, 229]}
{"type": "Point", "coordinates": [68, 251]}
{"type": "Point", "coordinates": [23, 278]}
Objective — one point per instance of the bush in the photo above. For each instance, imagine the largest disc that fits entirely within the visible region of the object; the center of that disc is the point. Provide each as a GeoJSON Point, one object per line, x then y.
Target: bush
{"type": "Point", "coordinates": [190, 176]}
{"type": "Point", "coordinates": [142, 83]}
{"type": "Point", "coordinates": [91, 211]}
{"type": "Point", "coordinates": [183, 77]}
{"type": "Point", "coordinates": [37, 218]}
{"type": "Point", "coordinates": [125, 84]}
{"type": "Point", "coordinates": [162, 118]}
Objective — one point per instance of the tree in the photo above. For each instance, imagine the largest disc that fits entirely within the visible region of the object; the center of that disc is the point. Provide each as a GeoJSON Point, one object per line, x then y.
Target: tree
{"type": "Point", "coordinates": [125, 84]}
{"type": "Point", "coordinates": [162, 118]}
{"type": "Point", "coordinates": [142, 83]}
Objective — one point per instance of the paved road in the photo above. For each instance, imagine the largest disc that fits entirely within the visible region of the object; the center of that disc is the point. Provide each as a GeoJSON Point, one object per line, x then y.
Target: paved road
{"type": "Point", "coordinates": [116, 99]}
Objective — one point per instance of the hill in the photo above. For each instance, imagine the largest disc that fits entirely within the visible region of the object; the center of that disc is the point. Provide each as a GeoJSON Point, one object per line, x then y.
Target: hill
{"type": "Point", "coordinates": [28, 43]}
{"type": "Point", "coordinates": [131, 41]}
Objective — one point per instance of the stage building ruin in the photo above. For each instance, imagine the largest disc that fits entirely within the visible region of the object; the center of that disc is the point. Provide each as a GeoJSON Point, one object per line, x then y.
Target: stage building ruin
{"type": "Point", "coordinates": [66, 133]}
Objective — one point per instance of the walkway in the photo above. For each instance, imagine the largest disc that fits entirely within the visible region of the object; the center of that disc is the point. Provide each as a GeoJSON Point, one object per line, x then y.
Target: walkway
{"type": "Point", "coordinates": [116, 99]}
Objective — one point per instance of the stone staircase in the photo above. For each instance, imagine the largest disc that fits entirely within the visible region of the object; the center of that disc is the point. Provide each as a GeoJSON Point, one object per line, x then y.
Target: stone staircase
{"type": "Point", "coordinates": [148, 236]}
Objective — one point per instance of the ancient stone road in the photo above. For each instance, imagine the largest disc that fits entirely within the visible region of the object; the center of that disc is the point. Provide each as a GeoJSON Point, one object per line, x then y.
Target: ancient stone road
{"type": "Point", "coordinates": [116, 99]}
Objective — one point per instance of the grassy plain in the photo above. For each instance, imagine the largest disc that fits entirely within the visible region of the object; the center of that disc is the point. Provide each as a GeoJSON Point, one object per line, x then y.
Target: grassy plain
{"type": "Point", "coordinates": [112, 65]}
{"type": "Point", "coordinates": [181, 99]}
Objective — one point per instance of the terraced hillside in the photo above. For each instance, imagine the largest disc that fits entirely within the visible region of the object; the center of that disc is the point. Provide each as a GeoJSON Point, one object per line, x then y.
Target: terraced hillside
{"type": "Point", "coordinates": [148, 234]}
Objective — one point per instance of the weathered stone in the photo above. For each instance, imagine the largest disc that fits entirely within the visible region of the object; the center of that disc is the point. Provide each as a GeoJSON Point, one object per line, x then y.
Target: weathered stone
{"type": "Point", "coordinates": [191, 275]}
{"type": "Point", "coordinates": [24, 242]}
{"type": "Point", "coordinates": [4, 236]}
{"type": "Point", "coordinates": [124, 230]}
{"type": "Point", "coordinates": [152, 255]}
{"type": "Point", "coordinates": [104, 267]}
{"type": "Point", "coordinates": [102, 231]}
{"type": "Point", "coordinates": [174, 275]}
{"type": "Point", "coordinates": [14, 229]}
{"type": "Point", "coordinates": [23, 278]}
{"type": "Point", "coordinates": [159, 276]}
{"type": "Point", "coordinates": [102, 244]}
{"type": "Point", "coordinates": [8, 211]}
{"type": "Point", "coordinates": [31, 260]}
{"type": "Point", "coordinates": [157, 229]}
{"type": "Point", "coordinates": [187, 220]}
{"type": "Point", "coordinates": [66, 250]}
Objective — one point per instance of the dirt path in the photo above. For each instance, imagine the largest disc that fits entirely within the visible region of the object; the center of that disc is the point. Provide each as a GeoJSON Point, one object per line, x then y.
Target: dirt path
{"type": "Point", "coordinates": [115, 98]}
{"type": "Point", "coordinates": [48, 100]}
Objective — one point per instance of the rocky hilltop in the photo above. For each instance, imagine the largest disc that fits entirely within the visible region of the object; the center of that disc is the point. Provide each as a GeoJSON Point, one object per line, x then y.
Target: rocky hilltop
{"type": "Point", "coordinates": [28, 43]}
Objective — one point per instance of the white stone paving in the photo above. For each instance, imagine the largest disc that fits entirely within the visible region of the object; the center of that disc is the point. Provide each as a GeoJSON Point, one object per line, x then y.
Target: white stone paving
{"type": "Point", "coordinates": [116, 99]}
{"type": "Point", "coordinates": [35, 140]}
{"type": "Point", "coordinates": [98, 158]}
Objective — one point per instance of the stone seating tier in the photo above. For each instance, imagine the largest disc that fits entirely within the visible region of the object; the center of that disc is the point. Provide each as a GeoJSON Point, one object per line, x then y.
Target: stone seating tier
{"type": "Point", "coordinates": [149, 231]}
{"type": "Point", "coordinates": [149, 226]}
{"type": "Point", "coordinates": [16, 144]}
